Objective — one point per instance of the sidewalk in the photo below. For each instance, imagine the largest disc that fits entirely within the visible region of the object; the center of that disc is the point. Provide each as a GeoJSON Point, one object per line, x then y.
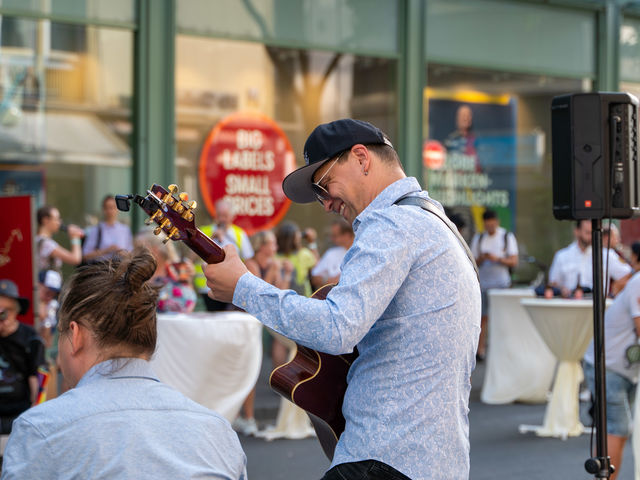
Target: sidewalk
{"type": "Point", "coordinates": [498, 450]}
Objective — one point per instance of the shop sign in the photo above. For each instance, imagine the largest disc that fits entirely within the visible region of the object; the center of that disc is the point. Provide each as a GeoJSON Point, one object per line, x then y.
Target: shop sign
{"type": "Point", "coordinates": [244, 160]}
{"type": "Point", "coordinates": [433, 154]}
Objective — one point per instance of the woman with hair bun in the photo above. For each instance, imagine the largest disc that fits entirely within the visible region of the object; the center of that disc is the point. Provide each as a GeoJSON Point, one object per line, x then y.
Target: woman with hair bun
{"type": "Point", "coordinates": [118, 420]}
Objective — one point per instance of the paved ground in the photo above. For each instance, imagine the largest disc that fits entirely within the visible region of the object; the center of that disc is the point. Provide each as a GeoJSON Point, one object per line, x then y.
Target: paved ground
{"type": "Point", "coordinates": [498, 451]}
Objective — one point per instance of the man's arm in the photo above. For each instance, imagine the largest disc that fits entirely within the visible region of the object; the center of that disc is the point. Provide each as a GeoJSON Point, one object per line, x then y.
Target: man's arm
{"type": "Point", "coordinates": [371, 276]}
{"type": "Point", "coordinates": [33, 389]}
{"type": "Point", "coordinates": [36, 359]}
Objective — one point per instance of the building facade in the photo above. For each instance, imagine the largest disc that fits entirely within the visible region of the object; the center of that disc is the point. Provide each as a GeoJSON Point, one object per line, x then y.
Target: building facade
{"type": "Point", "coordinates": [110, 96]}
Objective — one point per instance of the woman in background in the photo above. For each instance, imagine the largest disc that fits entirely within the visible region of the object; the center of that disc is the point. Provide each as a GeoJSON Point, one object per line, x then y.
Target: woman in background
{"type": "Point", "coordinates": [173, 276]}
{"type": "Point", "coordinates": [51, 255]}
{"type": "Point", "coordinates": [296, 262]}
{"type": "Point", "coordinates": [265, 265]}
{"type": "Point", "coordinates": [118, 420]}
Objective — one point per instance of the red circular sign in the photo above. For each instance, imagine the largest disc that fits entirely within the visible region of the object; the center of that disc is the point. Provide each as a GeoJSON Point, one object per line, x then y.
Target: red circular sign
{"type": "Point", "coordinates": [244, 160]}
{"type": "Point", "coordinates": [433, 154]}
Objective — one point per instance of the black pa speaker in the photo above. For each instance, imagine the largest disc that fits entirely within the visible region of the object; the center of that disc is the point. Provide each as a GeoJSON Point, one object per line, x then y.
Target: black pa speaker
{"type": "Point", "coordinates": [594, 140]}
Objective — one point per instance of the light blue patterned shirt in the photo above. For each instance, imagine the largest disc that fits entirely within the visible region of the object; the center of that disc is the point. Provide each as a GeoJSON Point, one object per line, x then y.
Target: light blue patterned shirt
{"type": "Point", "coordinates": [122, 423]}
{"type": "Point", "coordinates": [409, 299]}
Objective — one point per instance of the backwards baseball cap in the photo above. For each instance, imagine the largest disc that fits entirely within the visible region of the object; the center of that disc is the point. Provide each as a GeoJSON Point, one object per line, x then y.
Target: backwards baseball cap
{"type": "Point", "coordinates": [50, 279]}
{"type": "Point", "coordinates": [10, 290]}
{"type": "Point", "coordinates": [325, 142]}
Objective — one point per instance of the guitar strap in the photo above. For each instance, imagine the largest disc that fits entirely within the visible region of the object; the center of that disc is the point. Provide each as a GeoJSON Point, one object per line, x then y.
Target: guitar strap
{"type": "Point", "coordinates": [432, 208]}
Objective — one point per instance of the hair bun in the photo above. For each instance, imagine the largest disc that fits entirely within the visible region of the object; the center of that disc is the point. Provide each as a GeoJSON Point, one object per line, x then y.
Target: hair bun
{"type": "Point", "coordinates": [141, 267]}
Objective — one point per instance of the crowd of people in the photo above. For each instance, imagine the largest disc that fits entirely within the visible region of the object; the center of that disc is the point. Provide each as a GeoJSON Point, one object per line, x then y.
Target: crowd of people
{"type": "Point", "coordinates": [416, 351]}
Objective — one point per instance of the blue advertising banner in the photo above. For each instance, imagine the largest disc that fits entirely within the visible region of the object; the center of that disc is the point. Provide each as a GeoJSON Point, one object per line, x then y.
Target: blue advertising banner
{"type": "Point", "coordinates": [470, 155]}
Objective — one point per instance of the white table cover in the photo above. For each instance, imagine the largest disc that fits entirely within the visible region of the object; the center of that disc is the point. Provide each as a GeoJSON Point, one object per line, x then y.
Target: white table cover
{"type": "Point", "coordinates": [212, 358]}
{"type": "Point", "coordinates": [566, 325]}
{"type": "Point", "coordinates": [519, 365]}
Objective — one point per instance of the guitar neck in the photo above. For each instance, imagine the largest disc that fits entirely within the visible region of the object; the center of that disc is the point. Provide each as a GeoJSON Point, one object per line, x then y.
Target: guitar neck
{"type": "Point", "coordinates": [203, 246]}
{"type": "Point", "coordinates": [179, 227]}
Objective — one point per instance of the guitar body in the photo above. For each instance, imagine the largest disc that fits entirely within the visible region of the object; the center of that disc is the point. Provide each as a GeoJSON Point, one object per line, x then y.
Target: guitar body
{"type": "Point", "coordinates": [317, 382]}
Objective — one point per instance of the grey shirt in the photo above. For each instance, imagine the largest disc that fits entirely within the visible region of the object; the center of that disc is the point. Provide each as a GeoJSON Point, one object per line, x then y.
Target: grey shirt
{"type": "Point", "coordinates": [121, 422]}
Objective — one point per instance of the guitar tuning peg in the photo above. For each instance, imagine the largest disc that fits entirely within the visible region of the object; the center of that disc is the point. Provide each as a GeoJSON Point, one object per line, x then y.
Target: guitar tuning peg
{"type": "Point", "coordinates": [166, 240]}
{"type": "Point", "coordinates": [193, 204]}
{"type": "Point", "coordinates": [157, 230]}
{"type": "Point", "coordinates": [184, 196]}
{"type": "Point", "coordinates": [174, 233]}
{"type": "Point", "coordinates": [173, 188]}
{"type": "Point", "coordinates": [148, 221]}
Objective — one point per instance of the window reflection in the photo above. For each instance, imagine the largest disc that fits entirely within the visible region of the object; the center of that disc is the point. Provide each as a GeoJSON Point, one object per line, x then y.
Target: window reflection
{"type": "Point", "coordinates": [489, 145]}
{"type": "Point", "coordinates": [297, 88]}
{"type": "Point", "coordinates": [65, 116]}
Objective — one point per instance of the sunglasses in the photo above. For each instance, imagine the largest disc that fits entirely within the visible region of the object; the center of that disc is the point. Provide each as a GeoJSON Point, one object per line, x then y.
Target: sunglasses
{"type": "Point", "coordinates": [321, 193]}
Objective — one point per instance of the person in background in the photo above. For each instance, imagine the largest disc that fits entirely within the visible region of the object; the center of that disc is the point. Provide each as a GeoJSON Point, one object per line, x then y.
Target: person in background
{"type": "Point", "coordinates": [310, 236]}
{"type": "Point", "coordinates": [274, 271]}
{"type": "Point", "coordinates": [224, 232]}
{"type": "Point", "coordinates": [327, 270]}
{"type": "Point", "coordinates": [613, 250]}
{"type": "Point", "coordinates": [571, 272]}
{"type": "Point", "coordinates": [108, 236]}
{"type": "Point", "coordinates": [21, 354]}
{"type": "Point", "coordinates": [621, 329]}
{"type": "Point", "coordinates": [496, 252]}
{"type": "Point", "coordinates": [408, 298]}
{"type": "Point", "coordinates": [118, 420]}
{"type": "Point", "coordinates": [458, 221]}
{"type": "Point", "coordinates": [635, 256]}
{"type": "Point", "coordinates": [173, 277]}
{"type": "Point", "coordinates": [49, 285]}
{"type": "Point", "coordinates": [265, 263]}
{"type": "Point", "coordinates": [51, 255]}
{"type": "Point", "coordinates": [290, 248]}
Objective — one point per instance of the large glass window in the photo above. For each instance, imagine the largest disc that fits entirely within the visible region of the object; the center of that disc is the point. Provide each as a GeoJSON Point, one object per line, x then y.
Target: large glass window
{"type": "Point", "coordinates": [630, 82]}
{"type": "Point", "coordinates": [488, 145]}
{"type": "Point", "coordinates": [297, 88]}
{"type": "Point", "coordinates": [106, 11]}
{"type": "Point", "coordinates": [65, 116]}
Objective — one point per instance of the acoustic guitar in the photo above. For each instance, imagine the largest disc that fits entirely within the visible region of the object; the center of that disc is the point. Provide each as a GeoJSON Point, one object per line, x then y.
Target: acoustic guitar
{"type": "Point", "coordinates": [314, 381]}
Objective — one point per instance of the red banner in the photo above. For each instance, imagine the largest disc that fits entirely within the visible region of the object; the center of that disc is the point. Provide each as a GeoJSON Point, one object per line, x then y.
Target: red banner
{"type": "Point", "coordinates": [16, 247]}
{"type": "Point", "coordinates": [244, 160]}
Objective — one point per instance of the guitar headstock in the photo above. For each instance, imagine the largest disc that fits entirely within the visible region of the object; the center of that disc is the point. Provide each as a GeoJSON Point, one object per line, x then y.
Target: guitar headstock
{"type": "Point", "coordinates": [174, 214]}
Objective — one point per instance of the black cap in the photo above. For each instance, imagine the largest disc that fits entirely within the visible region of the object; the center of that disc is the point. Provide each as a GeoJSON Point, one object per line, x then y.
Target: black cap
{"type": "Point", "coordinates": [9, 289]}
{"type": "Point", "coordinates": [325, 142]}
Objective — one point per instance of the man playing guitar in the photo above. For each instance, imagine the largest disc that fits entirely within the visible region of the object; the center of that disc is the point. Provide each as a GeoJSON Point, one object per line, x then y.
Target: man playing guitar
{"type": "Point", "coordinates": [408, 298]}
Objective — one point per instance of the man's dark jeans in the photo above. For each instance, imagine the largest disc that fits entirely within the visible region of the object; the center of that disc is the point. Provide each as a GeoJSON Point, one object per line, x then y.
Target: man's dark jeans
{"type": "Point", "coordinates": [364, 470]}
